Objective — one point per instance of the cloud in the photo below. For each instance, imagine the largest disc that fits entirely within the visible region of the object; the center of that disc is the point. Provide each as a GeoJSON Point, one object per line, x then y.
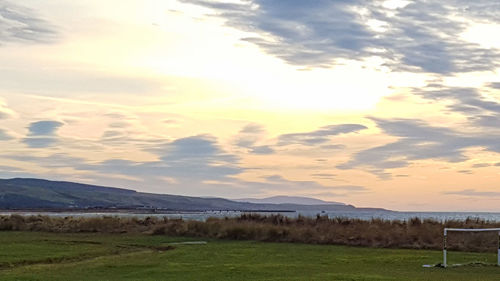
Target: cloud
{"type": "Point", "coordinates": [249, 136]}
{"type": "Point", "coordinates": [112, 134]}
{"type": "Point", "coordinates": [467, 100]}
{"type": "Point", "coordinates": [418, 141]}
{"type": "Point", "coordinates": [482, 112]}
{"type": "Point", "coordinates": [193, 165]}
{"type": "Point", "coordinates": [58, 160]}
{"type": "Point", "coordinates": [481, 165]}
{"type": "Point", "coordinates": [119, 124]}
{"type": "Point", "coordinates": [426, 35]}
{"type": "Point", "coordinates": [276, 184]}
{"type": "Point", "coordinates": [9, 169]}
{"type": "Point", "coordinates": [189, 160]}
{"type": "Point", "coordinates": [262, 149]}
{"type": "Point", "coordinates": [253, 129]}
{"type": "Point", "coordinates": [474, 192]}
{"type": "Point", "coordinates": [494, 85]}
{"type": "Point", "coordinates": [44, 128]}
{"type": "Point", "coordinates": [323, 175]}
{"type": "Point", "coordinates": [350, 188]}
{"type": "Point", "coordinates": [42, 133]}
{"type": "Point", "coordinates": [4, 135]}
{"type": "Point", "coordinates": [333, 146]}
{"type": "Point", "coordinates": [312, 33]}
{"type": "Point", "coordinates": [21, 24]}
{"type": "Point", "coordinates": [5, 111]}
{"type": "Point", "coordinates": [421, 141]}
{"type": "Point", "coordinates": [201, 147]}
{"type": "Point", "coordinates": [40, 142]}
{"type": "Point", "coordinates": [320, 136]}
{"type": "Point", "coordinates": [58, 82]}
{"type": "Point", "coordinates": [274, 179]}
{"type": "Point", "coordinates": [419, 36]}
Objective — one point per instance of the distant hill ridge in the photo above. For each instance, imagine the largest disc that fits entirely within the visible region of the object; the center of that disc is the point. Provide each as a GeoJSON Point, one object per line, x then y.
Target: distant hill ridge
{"type": "Point", "coordinates": [281, 199]}
{"type": "Point", "coordinates": [66, 184]}
{"type": "Point", "coordinates": [30, 193]}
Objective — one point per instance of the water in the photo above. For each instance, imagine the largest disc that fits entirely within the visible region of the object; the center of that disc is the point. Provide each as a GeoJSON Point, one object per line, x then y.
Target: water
{"type": "Point", "coordinates": [364, 215]}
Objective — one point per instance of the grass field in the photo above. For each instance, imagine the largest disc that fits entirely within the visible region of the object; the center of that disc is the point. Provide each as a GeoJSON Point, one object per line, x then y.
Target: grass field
{"type": "Point", "coordinates": [50, 256]}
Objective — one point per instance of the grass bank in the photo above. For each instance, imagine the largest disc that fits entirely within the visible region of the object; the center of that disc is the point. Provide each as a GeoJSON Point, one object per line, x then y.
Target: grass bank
{"type": "Point", "coordinates": [98, 256]}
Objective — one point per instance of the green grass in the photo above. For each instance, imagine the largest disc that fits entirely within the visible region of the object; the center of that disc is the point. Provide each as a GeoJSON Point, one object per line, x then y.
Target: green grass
{"type": "Point", "coordinates": [49, 256]}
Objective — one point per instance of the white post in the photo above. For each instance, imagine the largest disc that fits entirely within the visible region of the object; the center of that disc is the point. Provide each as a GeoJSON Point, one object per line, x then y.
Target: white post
{"type": "Point", "coordinates": [498, 256]}
{"type": "Point", "coordinates": [444, 248]}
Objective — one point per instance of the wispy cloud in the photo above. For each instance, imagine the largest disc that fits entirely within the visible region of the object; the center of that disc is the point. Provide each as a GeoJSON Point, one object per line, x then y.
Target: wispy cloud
{"type": "Point", "coordinates": [67, 82]}
{"type": "Point", "coordinates": [419, 36]}
{"type": "Point", "coordinates": [4, 135]}
{"type": "Point", "coordinates": [474, 192]}
{"type": "Point", "coordinates": [323, 175]}
{"type": "Point", "coordinates": [470, 102]}
{"type": "Point", "coordinates": [189, 160]}
{"type": "Point", "coordinates": [320, 136]}
{"type": "Point", "coordinates": [248, 138]}
{"type": "Point", "coordinates": [21, 24]}
{"type": "Point", "coordinates": [418, 141]}
{"type": "Point", "coordinates": [5, 111]}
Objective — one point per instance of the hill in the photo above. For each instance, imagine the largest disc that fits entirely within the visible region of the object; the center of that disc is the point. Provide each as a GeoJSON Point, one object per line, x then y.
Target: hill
{"type": "Point", "coordinates": [28, 193]}
{"type": "Point", "coordinates": [288, 200]}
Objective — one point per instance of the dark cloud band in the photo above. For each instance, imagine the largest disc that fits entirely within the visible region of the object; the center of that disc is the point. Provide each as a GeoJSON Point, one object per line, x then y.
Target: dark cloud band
{"type": "Point", "coordinates": [421, 36]}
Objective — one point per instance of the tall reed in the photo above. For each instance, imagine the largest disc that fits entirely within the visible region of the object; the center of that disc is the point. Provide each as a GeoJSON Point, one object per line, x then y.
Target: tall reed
{"type": "Point", "coordinates": [413, 233]}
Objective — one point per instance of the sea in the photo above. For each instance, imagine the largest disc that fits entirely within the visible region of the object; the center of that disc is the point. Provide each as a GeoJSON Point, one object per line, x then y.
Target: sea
{"type": "Point", "coordinates": [363, 215]}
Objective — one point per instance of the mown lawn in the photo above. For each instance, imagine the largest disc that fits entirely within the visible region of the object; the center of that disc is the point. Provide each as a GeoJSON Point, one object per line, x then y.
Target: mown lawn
{"type": "Point", "coordinates": [49, 256]}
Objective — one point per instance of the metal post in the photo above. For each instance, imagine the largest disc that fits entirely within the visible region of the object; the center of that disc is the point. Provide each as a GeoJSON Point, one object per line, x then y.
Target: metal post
{"type": "Point", "coordinates": [445, 246]}
{"type": "Point", "coordinates": [498, 255]}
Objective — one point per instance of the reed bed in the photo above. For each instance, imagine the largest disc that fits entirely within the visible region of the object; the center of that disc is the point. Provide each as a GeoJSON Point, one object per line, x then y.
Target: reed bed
{"type": "Point", "coordinates": [414, 233]}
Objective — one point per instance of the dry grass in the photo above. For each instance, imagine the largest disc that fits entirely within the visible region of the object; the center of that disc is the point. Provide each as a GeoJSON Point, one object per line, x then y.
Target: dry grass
{"type": "Point", "coordinates": [413, 234]}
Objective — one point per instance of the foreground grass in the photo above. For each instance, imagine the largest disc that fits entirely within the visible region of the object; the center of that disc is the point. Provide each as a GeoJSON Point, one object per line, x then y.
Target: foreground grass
{"type": "Point", "coordinates": [50, 256]}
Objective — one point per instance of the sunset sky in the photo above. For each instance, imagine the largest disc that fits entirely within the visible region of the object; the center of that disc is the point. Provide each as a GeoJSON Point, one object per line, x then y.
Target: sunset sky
{"type": "Point", "coordinates": [392, 104]}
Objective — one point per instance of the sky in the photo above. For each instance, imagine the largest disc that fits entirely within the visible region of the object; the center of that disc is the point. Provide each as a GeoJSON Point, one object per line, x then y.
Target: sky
{"type": "Point", "coordinates": [383, 103]}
